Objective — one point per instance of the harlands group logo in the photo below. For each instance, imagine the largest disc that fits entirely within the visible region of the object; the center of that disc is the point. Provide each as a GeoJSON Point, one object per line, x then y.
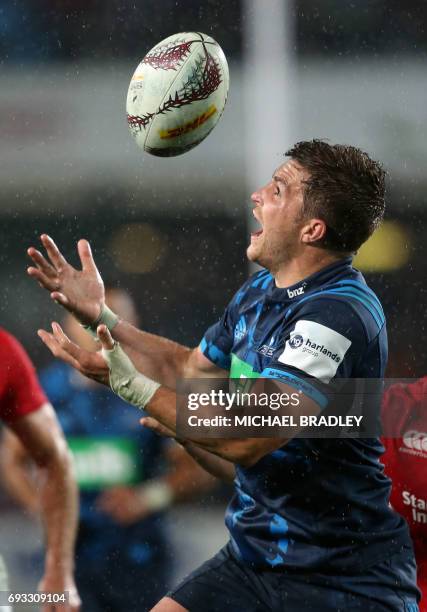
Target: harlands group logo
{"type": "Point", "coordinates": [315, 349]}
{"type": "Point", "coordinates": [296, 341]}
{"type": "Point", "coordinates": [415, 443]}
{"type": "Point", "coordinates": [307, 345]}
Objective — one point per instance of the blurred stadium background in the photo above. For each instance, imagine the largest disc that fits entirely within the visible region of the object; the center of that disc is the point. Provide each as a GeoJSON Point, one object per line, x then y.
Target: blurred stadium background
{"type": "Point", "coordinates": [173, 231]}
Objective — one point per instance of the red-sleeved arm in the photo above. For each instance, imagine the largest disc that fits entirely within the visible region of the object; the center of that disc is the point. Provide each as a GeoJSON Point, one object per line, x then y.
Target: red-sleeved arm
{"type": "Point", "coordinates": [20, 391]}
{"type": "Point", "coordinates": [404, 417]}
{"type": "Point", "coordinates": [401, 402]}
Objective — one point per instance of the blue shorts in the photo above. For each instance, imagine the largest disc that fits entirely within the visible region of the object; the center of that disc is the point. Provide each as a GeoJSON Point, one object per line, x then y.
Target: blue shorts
{"type": "Point", "coordinates": [226, 584]}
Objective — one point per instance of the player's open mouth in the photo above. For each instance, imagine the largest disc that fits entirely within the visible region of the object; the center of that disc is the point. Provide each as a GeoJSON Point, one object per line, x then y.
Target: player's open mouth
{"type": "Point", "coordinates": [258, 232]}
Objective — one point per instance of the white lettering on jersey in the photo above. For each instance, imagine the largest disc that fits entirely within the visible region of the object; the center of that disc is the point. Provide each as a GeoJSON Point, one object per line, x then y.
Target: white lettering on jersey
{"type": "Point", "coordinates": [316, 349]}
{"type": "Point", "coordinates": [295, 292]}
{"type": "Point", "coordinates": [417, 504]}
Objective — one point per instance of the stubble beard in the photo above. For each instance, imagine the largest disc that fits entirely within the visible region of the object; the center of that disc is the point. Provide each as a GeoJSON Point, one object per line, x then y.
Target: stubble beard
{"type": "Point", "coordinates": [274, 258]}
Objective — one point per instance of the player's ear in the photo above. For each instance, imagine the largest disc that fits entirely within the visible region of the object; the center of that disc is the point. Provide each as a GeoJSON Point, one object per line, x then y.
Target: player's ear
{"type": "Point", "coordinates": [313, 231]}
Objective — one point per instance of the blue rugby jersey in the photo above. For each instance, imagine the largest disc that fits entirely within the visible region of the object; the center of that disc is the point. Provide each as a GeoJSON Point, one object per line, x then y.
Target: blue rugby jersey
{"type": "Point", "coordinates": [314, 503]}
{"type": "Point", "coordinates": [110, 448]}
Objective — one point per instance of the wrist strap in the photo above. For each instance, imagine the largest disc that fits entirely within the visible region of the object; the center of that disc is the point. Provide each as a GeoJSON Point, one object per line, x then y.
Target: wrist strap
{"type": "Point", "coordinates": [125, 380]}
{"type": "Point", "coordinates": [106, 317]}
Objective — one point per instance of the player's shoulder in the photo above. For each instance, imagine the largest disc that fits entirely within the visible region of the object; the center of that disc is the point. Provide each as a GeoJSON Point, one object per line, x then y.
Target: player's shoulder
{"type": "Point", "coordinates": [256, 283]}
{"type": "Point", "coordinates": [10, 346]}
{"type": "Point", "coordinates": [406, 399]}
{"type": "Point", "coordinates": [260, 279]}
{"type": "Point", "coordinates": [348, 302]}
{"type": "Point", "coordinates": [404, 423]}
{"type": "Point", "coordinates": [6, 338]}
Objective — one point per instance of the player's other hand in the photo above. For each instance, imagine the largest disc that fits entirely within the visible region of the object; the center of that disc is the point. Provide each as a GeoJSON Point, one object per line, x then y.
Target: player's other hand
{"type": "Point", "coordinates": [58, 583]}
{"type": "Point", "coordinates": [79, 291]}
{"type": "Point", "coordinates": [125, 505]}
{"type": "Point", "coordinates": [92, 365]}
{"type": "Point", "coordinates": [159, 428]}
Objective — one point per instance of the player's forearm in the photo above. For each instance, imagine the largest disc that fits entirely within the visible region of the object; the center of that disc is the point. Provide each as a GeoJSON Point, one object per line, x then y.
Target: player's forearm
{"type": "Point", "coordinates": [158, 358]}
{"type": "Point", "coordinates": [241, 451]}
{"type": "Point", "coordinates": [245, 452]}
{"type": "Point", "coordinates": [185, 477]}
{"type": "Point", "coordinates": [214, 465]}
{"type": "Point", "coordinates": [161, 403]}
{"type": "Point", "coordinates": [20, 486]}
{"type": "Point", "coordinates": [16, 472]}
{"type": "Point", "coordinates": [59, 505]}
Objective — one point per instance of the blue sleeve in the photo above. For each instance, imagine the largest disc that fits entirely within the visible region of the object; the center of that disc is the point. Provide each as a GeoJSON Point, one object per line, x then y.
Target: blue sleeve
{"type": "Point", "coordinates": [218, 341]}
{"type": "Point", "coordinates": [326, 341]}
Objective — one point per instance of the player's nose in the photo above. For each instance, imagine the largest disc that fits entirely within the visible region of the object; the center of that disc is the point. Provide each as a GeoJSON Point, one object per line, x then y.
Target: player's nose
{"type": "Point", "coordinates": [256, 198]}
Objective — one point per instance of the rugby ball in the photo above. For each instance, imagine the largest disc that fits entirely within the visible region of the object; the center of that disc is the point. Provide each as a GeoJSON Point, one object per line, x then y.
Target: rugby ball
{"type": "Point", "coordinates": [177, 94]}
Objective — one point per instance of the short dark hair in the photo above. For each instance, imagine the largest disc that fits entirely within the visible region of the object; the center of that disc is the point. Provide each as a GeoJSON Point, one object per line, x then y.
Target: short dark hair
{"type": "Point", "coordinates": [345, 189]}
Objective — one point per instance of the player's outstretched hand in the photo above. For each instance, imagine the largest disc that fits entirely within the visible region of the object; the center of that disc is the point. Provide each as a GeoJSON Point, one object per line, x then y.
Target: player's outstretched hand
{"type": "Point", "coordinates": [92, 365]}
{"type": "Point", "coordinates": [79, 291]}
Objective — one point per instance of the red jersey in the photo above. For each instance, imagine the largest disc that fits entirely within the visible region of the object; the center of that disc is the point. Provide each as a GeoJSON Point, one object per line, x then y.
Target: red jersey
{"type": "Point", "coordinates": [404, 410]}
{"type": "Point", "coordinates": [20, 391]}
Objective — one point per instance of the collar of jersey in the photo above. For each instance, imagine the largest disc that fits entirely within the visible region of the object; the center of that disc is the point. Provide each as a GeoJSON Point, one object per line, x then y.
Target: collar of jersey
{"type": "Point", "coordinates": [313, 281]}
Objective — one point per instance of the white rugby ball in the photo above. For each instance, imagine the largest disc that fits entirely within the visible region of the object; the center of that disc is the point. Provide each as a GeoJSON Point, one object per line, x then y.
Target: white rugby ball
{"type": "Point", "coordinates": [177, 94]}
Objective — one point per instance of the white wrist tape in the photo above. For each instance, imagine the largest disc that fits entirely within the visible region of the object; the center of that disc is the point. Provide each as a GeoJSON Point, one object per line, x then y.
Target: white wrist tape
{"type": "Point", "coordinates": [107, 317]}
{"type": "Point", "coordinates": [125, 380]}
{"type": "Point", "coordinates": [157, 495]}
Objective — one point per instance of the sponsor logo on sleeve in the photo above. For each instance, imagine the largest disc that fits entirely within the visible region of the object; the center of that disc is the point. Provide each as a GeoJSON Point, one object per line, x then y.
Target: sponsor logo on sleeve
{"type": "Point", "coordinates": [418, 506]}
{"type": "Point", "coordinates": [316, 349]}
{"type": "Point", "coordinates": [240, 329]}
{"type": "Point", "coordinates": [414, 443]}
{"type": "Point", "coordinates": [296, 341]}
{"type": "Point", "coordinates": [268, 349]}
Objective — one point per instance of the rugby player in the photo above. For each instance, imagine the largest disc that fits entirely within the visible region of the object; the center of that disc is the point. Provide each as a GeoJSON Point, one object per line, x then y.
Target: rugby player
{"type": "Point", "coordinates": [25, 410]}
{"type": "Point", "coordinates": [404, 418]}
{"type": "Point", "coordinates": [128, 478]}
{"type": "Point", "coordinates": [310, 524]}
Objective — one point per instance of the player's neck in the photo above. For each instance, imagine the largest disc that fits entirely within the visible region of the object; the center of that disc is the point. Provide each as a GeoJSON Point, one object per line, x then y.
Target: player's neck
{"type": "Point", "coordinates": [296, 270]}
